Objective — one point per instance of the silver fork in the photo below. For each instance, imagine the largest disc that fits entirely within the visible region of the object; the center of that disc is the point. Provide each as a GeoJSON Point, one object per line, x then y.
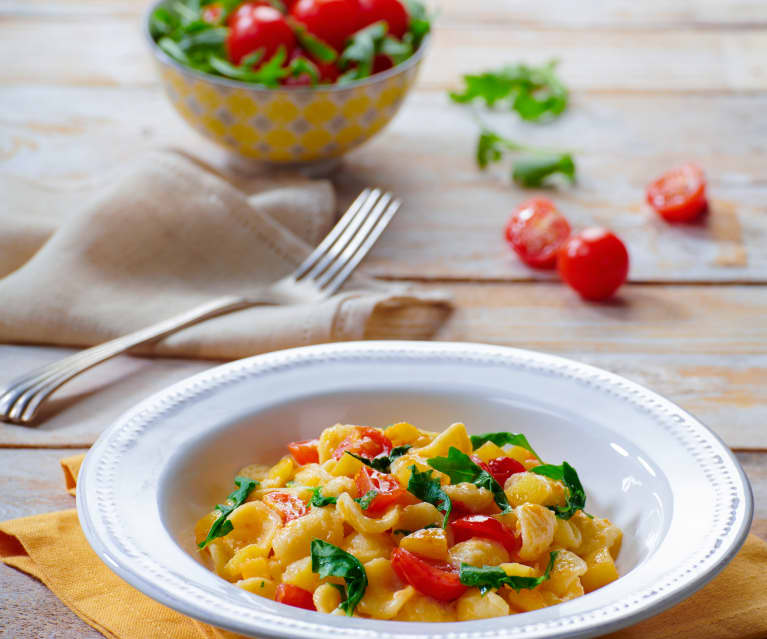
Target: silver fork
{"type": "Point", "coordinates": [318, 277]}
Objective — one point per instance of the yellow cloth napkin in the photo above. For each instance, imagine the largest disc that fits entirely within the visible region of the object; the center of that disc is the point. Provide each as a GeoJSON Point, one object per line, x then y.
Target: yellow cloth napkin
{"type": "Point", "coordinates": [85, 263]}
{"type": "Point", "coordinates": [53, 548]}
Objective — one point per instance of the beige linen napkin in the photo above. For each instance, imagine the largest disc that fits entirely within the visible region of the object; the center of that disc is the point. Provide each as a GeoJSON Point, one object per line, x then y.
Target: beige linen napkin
{"type": "Point", "coordinates": [158, 236]}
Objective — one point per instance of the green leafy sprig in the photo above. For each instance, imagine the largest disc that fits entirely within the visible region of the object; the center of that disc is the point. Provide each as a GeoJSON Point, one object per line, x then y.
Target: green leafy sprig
{"type": "Point", "coordinates": [429, 489]}
{"type": "Point", "coordinates": [222, 526]}
{"type": "Point", "coordinates": [329, 560]}
{"type": "Point", "coordinates": [493, 577]}
{"type": "Point", "coordinates": [382, 463]}
{"type": "Point", "coordinates": [318, 500]}
{"type": "Point", "coordinates": [576, 497]}
{"type": "Point", "coordinates": [367, 499]}
{"type": "Point", "coordinates": [503, 439]}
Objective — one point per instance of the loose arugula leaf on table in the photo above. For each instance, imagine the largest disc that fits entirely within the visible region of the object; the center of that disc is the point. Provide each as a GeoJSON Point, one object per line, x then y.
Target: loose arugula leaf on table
{"type": "Point", "coordinates": [429, 489]}
{"type": "Point", "coordinates": [383, 463]}
{"type": "Point", "coordinates": [460, 468]}
{"type": "Point", "coordinates": [367, 499]}
{"type": "Point", "coordinates": [502, 439]}
{"type": "Point", "coordinates": [576, 498]}
{"type": "Point", "coordinates": [493, 577]}
{"type": "Point", "coordinates": [330, 561]}
{"type": "Point", "coordinates": [535, 93]}
{"type": "Point", "coordinates": [222, 526]}
{"type": "Point", "coordinates": [318, 500]}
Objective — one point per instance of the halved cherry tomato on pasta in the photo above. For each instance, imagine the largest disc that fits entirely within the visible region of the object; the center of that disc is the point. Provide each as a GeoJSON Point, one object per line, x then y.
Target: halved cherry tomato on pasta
{"type": "Point", "coordinates": [679, 195]}
{"type": "Point", "coordinates": [393, 12]}
{"type": "Point", "coordinates": [289, 506]}
{"type": "Point", "coordinates": [212, 13]}
{"type": "Point", "coordinates": [388, 488]}
{"type": "Point", "coordinates": [594, 262]}
{"type": "Point", "coordinates": [488, 528]}
{"type": "Point", "coordinates": [536, 230]}
{"type": "Point", "coordinates": [294, 596]}
{"type": "Point", "coordinates": [305, 451]}
{"type": "Point", "coordinates": [332, 21]}
{"type": "Point", "coordinates": [366, 442]}
{"type": "Point", "coordinates": [501, 468]}
{"type": "Point", "coordinates": [257, 26]}
{"type": "Point", "coordinates": [439, 581]}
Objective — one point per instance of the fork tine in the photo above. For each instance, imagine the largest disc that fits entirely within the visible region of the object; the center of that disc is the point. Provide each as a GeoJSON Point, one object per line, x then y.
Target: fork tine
{"type": "Point", "coordinates": [358, 204]}
{"type": "Point", "coordinates": [347, 263]}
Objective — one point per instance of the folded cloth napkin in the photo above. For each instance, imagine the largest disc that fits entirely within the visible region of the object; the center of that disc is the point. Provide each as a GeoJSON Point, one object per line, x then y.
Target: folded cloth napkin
{"type": "Point", "coordinates": [53, 548]}
{"type": "Point", "coordinates": [158, 236]}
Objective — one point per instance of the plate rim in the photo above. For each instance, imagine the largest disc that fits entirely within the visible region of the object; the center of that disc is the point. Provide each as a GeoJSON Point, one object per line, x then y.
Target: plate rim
{"type": "Point", "coordinates": [99, 520]}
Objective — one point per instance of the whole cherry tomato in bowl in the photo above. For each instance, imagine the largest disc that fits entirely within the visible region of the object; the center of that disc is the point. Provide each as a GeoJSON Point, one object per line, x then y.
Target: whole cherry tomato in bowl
{"type": "Point", "coordinates": [332, 21]}
{"type": "Point", "coordinates": [257, 26]}
{"type": "Point", "coordinates": [594, 262]}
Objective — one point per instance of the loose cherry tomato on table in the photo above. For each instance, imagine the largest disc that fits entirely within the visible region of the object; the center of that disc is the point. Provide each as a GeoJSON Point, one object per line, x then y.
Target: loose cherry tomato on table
{"type": "Point", "coordinates": [536, 230]}
{"type": "Point", "coordinates": [305, 451]}
{"type": "Point", "coordinates": [594, 262]}
{"type": "Point", "coordinates": [679, 195]}
{"type": "Point", "coordinates": [501, 468]}
{"type": "Point", "coordinates": [332, 21]}
{"type": "Point", "coordinates": [392, 11]}
{"type": "Point", "coordinates": [439, 581]}
{"type": "Point", "coordinates": [289, 506]}
{"type": "Point", "coordinates": [213, 13]}
{"type": "Point", "coordinates": [294, 596]}
{"type": "Point", "coordinates": [255, 26]}
{"type": "Point", "coordinates": [366, 442]}
{"type": "Point", "coordinates": [487, 527]}
{"type": "Point", "coordinates": [388, 488]}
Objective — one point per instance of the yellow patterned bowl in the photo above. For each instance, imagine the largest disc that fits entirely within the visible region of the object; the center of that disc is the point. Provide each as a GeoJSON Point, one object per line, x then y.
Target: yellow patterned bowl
{"type": "Point", "coordinates": [289, 125]}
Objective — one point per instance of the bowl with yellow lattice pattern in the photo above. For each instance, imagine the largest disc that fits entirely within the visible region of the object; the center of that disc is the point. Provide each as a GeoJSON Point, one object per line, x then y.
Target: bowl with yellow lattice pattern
{"type": "Point", "coordinates": [284, 124]}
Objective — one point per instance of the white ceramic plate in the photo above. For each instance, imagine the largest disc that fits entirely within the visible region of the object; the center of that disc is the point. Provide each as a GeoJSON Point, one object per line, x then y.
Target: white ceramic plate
{"type": "Point", "coordinates": [679, 495]}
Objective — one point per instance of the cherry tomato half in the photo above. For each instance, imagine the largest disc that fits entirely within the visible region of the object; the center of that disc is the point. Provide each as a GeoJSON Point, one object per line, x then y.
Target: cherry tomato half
{"type": "Point", "coordinates": [438, 581]}
{"type": "Point", "coordinates": [388, 488]}
{"type": "Point", "coordinates": [305, 451]}
{"type": "Point", "coordinates": [501, 468]}
{"type": "Point", "coordinates": [294, 596]}
{"type": "Point", "coordinates": [392, 11]}
{"type": "Point", "coordinates": [594, 262]}
{"type": "Point", "coordinates": [255, 26]}
{"type": "Point", "coordinates": [289, 506]}
{"type": "Point", "coordinates": [366, 442]}
{"type": "Point", "coordinates": [679, 195]}
{"type": "Point", "coordinates": [536, 230]}
{"type": "Point", "coordinates": [487, 527]}
{"type": "Point", "coordinates": [332, 21]}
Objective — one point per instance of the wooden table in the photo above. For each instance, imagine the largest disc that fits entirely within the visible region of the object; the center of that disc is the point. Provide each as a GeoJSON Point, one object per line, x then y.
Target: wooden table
{"type": "Point", "coordinates": [654, 83]}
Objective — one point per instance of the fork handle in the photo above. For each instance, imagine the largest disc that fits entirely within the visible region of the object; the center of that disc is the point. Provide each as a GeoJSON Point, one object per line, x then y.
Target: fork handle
{"type": "Point", "coordinates": [38, 385]}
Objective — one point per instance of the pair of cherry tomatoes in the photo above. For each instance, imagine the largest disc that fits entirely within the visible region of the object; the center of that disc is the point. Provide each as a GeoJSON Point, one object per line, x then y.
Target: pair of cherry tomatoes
{"type": "Point", "coordinates": [257, 25]}
{"type": "Point", "coordinates": [594, 262]}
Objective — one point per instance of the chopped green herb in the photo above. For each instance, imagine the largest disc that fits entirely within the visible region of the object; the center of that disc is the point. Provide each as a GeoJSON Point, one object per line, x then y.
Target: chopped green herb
{"type": "Point", "coordinates": [429, 489]}
{"type": "Point", "coordinates": [493, 577]}
{"type": "Point", "coordinates": [329, 560]}
{"type": "Point", "coordinates": [367, 499]}
{"type": "Point", "coordinates": [316, 47]}
{"type": "Point", "coordinates": [502, 439]}
{"type": "Point", "coordinates": [222, 526]}
{"type": "Point", "coordinates": [262, 584]}
{"type": "Point", "coordinates": [460, 468]}
{"type": "Point", "coordinates": [535, 93]}
{"type": "Point", "coordinates": [420, 22]}
{"type": "Point", "coordinates": [362, 48]}
{"type": "Point", "coordinates": [382, 463]}
{"type": "Point", "coordinates": [576, 498]}
{"type": "Point", "coordinates": [318, 500]}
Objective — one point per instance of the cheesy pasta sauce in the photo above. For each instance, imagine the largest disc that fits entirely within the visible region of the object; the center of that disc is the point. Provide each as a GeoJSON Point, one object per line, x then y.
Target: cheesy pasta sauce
{"type": "Point", "coordinates": [431, 527]}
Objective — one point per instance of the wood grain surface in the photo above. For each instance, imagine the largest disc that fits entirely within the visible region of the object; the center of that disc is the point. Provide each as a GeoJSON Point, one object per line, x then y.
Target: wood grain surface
{"type": "Point", "coordinates": [653, 84]}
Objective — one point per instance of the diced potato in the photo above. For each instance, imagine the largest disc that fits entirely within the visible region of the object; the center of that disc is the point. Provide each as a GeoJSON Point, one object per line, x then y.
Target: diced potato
{"type": "Point", "coordinates": [601, 570]}
{"type": "Point", "coordinates": [472, 605]}
{"type": "Point", "coordinates": [293, 540]}
{"type": "Point", "coordinates": [454, 437]}
{"type": "Point", "coordinates": [404, 433]}
{"type": "Point", "coordinates": [401, 468]}
{"type": "Point", "coordinates": [536, 525]}
{"type": "Point", "coordinates": [326, 598]}
{"type": "Point", "coordinates": [423, 608]}
{"type": "Point", "coordinates": [346, 466]}
{"type": "Point", "coordinates": [525, 600]}
{"type": "Point", "coordinates": [471, 497]}
{"type": "Point", "coordinates": [564, 574]}
{"type": "Point", "coordinates": [430, 543]}
{"type": "Point", "coordinates": [280, 473]}
{"type": "Point", "coordinates": [259, 586]}
{"type": "Point", "coordinates": [257, 567]}
{"type": "Point", "coordinates": [520, 453]}
{"type": "Point", "coordinates": [489, 450]}
{"type": "Point", "coordinates": [300, 574]}
{"type": "Point", "coordinates": [567, 535]}
{"type": "Point", "coordinates": [419, 516]}
{"type": "Point", "coordinates": [478, 552]}
{"type": "Point", "coordinates": [529, 488]}
{"type": "Point", "coordinates": [368, 546]}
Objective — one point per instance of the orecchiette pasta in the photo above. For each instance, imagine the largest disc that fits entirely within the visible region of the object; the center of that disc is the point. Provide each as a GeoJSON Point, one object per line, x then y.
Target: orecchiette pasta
{"type": "Point", "coordinates": [361, 521]}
